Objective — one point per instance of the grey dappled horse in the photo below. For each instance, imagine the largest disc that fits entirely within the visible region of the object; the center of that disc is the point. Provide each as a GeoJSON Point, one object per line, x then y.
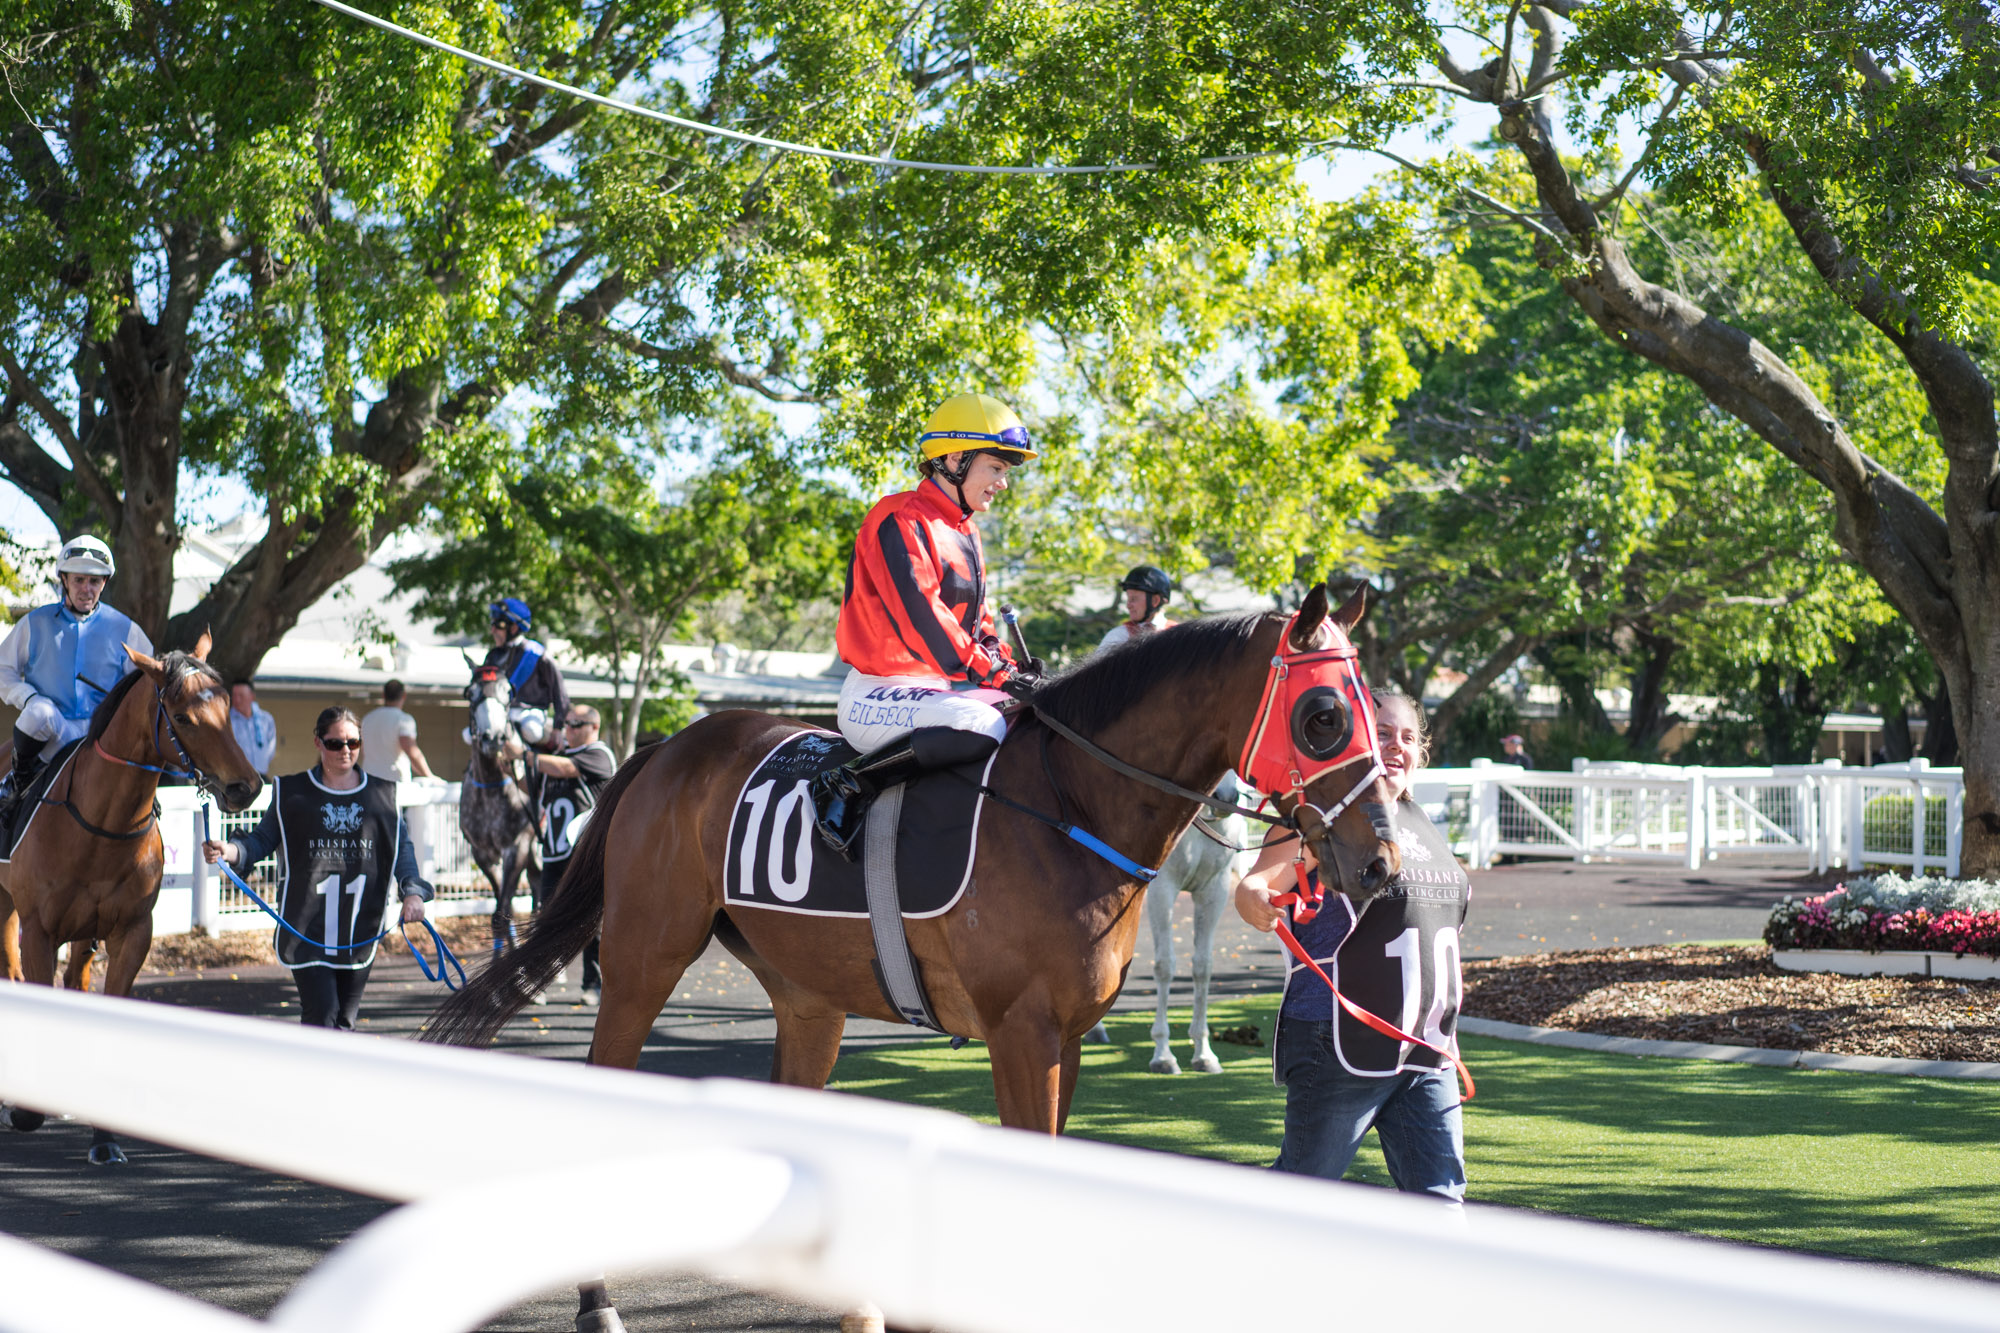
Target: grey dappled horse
{"type": "Point", "coordinates": [495, 812]}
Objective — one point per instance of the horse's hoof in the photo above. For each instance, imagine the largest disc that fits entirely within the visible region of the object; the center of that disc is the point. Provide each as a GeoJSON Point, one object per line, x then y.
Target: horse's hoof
{"type": "Point", "coordinates": [605, 1320]}
{"type": "Point", "coordinates": [1166, 1064]}
{"type": "Point", "coordinates": [1205, 1064]}
{"type": "Point", "coordinates": [1098, 1034]}
{"type": "Point", "coordinates": [23, 1121]}
{"type": "Point", "coordinates": [867, 1319]}
{"type": "Point", "coordinates": [107, 1154]}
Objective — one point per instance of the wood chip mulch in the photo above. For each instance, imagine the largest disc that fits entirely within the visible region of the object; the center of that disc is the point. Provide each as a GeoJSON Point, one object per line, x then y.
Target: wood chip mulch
{"type": "Point", "coordinates": [1732, 996]}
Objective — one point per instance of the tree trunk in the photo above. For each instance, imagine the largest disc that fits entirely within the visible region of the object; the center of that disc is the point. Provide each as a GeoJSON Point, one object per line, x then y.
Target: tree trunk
{"type": "Point", "coordinates": [1940, 735]}
{"type": "Point", "coordinates": [144, 382]}
{"type": "Point", "coordinates": [1579, 691]}
{"type": "Point", "coordinates": [1448, 712]}
{"type": "Point", "coordinates": [1649, 720]}
{"type": "Point", "coordinates": [1896, 744]}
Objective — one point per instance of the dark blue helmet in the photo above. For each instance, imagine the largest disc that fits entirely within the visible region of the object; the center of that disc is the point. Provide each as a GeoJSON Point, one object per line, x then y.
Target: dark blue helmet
{"type": "Point", "coordinates": [511, 611]}
{"type": "Point", "coordinates": [1150, 580]}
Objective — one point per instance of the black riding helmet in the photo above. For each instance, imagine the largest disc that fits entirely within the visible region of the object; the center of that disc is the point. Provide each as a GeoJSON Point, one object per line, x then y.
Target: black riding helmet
{"type": "Point", "coordinates": [1150, 580]}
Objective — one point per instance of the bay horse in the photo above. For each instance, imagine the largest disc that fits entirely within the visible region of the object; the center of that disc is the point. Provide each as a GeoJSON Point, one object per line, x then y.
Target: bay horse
{"type": "Point", "coordinates": [1034, 951]}
{"type": "Point", "coordinates": [495, 814]}
{"type": "Point", "coordinates": [90, 863]}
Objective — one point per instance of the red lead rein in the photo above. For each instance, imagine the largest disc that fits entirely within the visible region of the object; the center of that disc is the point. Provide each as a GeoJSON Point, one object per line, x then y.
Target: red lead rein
{"type": "Point", "coordinates": [1382, 1026]}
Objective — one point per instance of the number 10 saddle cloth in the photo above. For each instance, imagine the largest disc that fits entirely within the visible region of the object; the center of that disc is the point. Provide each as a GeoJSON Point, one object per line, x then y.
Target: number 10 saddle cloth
{"type": "Point", "coordinates": [776, 861]}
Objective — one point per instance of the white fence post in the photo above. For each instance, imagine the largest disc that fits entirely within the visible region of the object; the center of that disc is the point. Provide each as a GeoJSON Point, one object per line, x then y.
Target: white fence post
{"type": "Point", "coordinates": [1857, 847]}
{"type": "Point", "coordinates": [1485, 801]}
{"type": "Point", "coordinates": [1954, 826]}
{"type": "Point", "coordinates": [1917, 804]}
{"type": "Point", "coordinates": [207, 889]}
{"type": "Point", "coordinates": [1698, 818]}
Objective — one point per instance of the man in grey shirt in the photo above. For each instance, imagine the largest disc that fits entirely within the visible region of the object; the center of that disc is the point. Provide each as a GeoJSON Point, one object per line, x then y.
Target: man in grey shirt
{"type": "Point", "coordinates": [389, 739]}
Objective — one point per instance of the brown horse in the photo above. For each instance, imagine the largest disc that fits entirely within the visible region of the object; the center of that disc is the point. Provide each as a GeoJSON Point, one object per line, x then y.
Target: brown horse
{"type": "Point", "coordinates": [1035, 950]}
{"type": "Point", "coordinates": [89, 866]}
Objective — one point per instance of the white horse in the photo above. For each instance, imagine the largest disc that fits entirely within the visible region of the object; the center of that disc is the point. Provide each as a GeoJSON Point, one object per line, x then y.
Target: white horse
{"type": "Point", "coordinates": [1203, 864]}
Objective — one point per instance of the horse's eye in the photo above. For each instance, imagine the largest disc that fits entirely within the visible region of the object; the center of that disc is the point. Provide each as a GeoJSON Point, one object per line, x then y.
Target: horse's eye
{"type": "Point", "coordinates": [185, 719]}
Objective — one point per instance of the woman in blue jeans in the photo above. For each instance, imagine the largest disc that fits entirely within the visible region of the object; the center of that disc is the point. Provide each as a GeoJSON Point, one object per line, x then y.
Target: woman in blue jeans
{"type": "Point", "coordinates": [1398, 958]}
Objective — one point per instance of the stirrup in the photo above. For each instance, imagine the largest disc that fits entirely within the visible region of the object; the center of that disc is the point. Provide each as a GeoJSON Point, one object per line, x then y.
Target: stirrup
{"type": "Point", "coordinates": [840, 800]}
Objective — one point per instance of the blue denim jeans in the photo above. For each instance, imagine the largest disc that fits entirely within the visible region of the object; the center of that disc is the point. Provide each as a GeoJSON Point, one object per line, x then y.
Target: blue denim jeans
{"type": "Point", "coordinates": [1328, 1111]}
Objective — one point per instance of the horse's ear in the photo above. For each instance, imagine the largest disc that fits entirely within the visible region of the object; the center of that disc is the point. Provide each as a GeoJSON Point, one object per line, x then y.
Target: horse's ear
{"type": "Point", "coordinates": [149, 665]}
{"type": "Point", "coordinates": [1350, 612]}
{"type": "Point", "coordinates": [1312, 614]}
{"type": "Point", "coordinates": [203, 644]}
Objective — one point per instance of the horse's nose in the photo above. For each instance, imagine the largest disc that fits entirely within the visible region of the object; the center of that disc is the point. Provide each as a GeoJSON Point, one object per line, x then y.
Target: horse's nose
{"type": "Point", "coordinates": [238, 795]}
{"type": "Point", "coordinates": [1375, 875]}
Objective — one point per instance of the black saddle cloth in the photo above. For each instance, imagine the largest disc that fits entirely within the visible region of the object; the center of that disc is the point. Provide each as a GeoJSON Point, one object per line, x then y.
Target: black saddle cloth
{"type": "Point", "coordinates": [776, 860]}
{"type": "Point", "coordinates": [31, 800]}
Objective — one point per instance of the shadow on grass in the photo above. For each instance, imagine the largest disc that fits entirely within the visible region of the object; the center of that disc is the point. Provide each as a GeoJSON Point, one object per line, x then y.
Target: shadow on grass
{"type": "Point", "coordinates": [1879, 1167]}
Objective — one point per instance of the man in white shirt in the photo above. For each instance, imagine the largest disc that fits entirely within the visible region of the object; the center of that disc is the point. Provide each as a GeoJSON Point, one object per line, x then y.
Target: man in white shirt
{"type": "Point", "coordinates": [1147, 591]}
{"type": "Point", "coordinates": [389, 739]}
{"type": "Point", "coordinates": [256, 730]}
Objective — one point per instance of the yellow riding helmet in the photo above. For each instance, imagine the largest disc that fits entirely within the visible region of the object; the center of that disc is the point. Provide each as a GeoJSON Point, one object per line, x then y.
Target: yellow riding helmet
{"type": "Point", "coordinates": [975, 421]}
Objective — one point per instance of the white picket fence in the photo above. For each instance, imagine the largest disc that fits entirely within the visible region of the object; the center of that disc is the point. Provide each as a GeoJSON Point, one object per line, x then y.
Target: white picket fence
{"type": "Point", "coordinates": [196, 894]}
{"type": "Point", "coordinates": [1904, 815]}
{"type": "Point", "coordinates": [941, 1222]}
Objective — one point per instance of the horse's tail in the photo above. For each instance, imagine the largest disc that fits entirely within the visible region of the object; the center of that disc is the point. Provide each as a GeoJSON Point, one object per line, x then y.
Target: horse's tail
{"type": "Point", "coordinates": [567, 922]}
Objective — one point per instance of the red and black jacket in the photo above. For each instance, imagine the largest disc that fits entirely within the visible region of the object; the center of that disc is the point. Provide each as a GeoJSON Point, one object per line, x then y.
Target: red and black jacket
{"type": "Point", "coordinates": [915, 603]}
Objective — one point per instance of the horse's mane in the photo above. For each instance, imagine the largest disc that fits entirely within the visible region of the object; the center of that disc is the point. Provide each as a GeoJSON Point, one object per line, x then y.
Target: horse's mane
{"type": "Point", "coordinates": [176, 667]}
{"type": "Point", "coordinates": [1099, 690]}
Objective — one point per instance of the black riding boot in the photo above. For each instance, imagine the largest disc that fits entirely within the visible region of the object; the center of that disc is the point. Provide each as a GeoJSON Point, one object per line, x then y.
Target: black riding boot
{"type": "Point", "coordinates": [27, 763]}
{"type": "Point", "coordinates": [841, 796]}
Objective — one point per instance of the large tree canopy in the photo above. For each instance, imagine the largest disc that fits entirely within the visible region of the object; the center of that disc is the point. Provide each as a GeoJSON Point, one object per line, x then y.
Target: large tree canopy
{"type": "Point", "coordinates": [258, 239]}
{"type": "Point", "coordinates": [1870, 130]}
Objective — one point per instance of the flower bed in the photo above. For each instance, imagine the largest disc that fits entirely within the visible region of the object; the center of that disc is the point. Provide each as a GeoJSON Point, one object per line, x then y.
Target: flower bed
{"type": "Point", "coordinates": [1888, 912]}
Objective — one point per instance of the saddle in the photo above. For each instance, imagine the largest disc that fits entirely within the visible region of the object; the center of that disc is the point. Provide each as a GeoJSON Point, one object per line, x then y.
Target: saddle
{"type": "Point", "coordinates": [776, 862]}
{"type": "Point", "coordinates": [29, 802]}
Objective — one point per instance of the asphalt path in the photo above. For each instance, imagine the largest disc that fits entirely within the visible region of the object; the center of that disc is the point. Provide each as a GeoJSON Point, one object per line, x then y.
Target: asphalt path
{"type": "Point", "coordinates": [240, 1238]}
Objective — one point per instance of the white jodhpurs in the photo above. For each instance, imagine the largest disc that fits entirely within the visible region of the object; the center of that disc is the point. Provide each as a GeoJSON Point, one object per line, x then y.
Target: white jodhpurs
{"type": "Point", "coordinates": [532, 723]}
{"type": "Point", "coordinates": [875, 710]}
{"type": "Point", "coordinates": [41, 720]}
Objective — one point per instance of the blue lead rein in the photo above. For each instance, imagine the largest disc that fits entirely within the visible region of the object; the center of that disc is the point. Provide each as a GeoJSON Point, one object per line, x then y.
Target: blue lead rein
{"type": "Point", "coordinates": [446, 958]}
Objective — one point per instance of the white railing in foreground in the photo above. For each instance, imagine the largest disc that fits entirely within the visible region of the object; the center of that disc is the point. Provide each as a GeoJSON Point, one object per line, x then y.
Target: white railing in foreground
{"type": "Point", "coordinates": [1905, 815]}
{"type": "Point", "coordinates": [941, 1222]}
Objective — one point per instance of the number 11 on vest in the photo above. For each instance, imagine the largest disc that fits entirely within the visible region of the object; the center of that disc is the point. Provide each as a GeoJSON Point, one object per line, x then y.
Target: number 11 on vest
{"type": "Point", "coordinates": [332, 890]}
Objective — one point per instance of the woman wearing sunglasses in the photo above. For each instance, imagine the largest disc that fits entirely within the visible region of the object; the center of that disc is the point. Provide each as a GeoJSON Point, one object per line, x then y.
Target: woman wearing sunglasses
{"type": "Point", "coordinates": [341, 842]}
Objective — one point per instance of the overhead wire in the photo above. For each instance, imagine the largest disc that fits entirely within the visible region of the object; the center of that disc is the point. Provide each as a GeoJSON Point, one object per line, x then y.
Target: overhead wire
{"type": "Point", "coordinates": [764, 141]}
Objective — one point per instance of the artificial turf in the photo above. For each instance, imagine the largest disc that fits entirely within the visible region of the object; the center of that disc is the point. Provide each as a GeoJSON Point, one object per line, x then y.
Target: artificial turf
{"type": "Point", "coordinates": [1877, 1166]}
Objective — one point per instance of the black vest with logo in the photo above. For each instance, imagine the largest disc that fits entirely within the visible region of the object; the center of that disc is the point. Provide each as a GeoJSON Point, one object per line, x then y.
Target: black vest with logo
{"type": "Point", "coordinates": [338, 857]}
{"type": "Point", "coordinates": [566, 800]}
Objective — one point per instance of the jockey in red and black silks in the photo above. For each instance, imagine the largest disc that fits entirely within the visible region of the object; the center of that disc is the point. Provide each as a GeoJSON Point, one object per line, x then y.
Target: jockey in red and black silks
{"type": "Point", "coordinates": [914, 622]}
{"type": "Point", "coordinates": [915, 603]}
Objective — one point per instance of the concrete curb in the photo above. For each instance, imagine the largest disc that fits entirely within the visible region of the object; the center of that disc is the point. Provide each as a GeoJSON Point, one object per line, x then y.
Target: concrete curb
{"type": "Point", "coordinates": [1743, 1055]}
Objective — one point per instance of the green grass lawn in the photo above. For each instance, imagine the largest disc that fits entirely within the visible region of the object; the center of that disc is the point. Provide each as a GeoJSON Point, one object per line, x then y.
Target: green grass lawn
{"type": "Point", "coordinates": [1891, 1168]}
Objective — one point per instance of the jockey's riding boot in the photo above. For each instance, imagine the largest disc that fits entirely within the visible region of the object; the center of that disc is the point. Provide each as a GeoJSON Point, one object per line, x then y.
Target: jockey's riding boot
{"type": "Point", "coordinates": [27, 763]}
{"type": "Point", "coordinates": [841, 796]}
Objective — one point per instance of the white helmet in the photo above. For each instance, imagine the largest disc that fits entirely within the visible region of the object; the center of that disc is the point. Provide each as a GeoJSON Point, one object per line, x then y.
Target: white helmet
{"type": "Point", "coordinates": [86, 555]}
